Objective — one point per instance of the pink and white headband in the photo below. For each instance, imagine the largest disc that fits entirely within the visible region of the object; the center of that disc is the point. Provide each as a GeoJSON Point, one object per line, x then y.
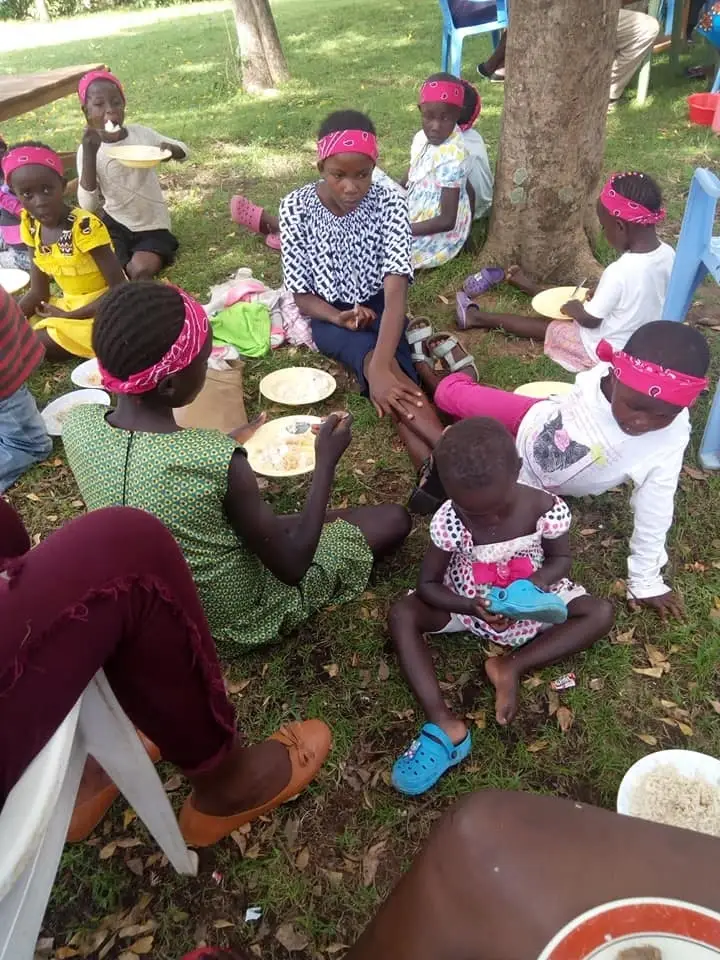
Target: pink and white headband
{"type": "Point", "coordinates": [443, 91]}
{"type": "Point", "coordinates": [27, 156]}
{"type": "Point", "coordinates": [628, 210]}
{"type": "Point", "coordinates": [181, 354]}
{"type": "Point", "coordinates": [348, 141]}
{"type": "Point", "coordinates": [661, 383]}
{"type": "Point", "coordinates": [94, 75]}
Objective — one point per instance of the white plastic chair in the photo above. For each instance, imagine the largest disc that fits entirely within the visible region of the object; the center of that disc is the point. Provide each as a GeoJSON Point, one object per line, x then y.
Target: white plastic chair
{"type": "Point", "coordinates": [35, 818]}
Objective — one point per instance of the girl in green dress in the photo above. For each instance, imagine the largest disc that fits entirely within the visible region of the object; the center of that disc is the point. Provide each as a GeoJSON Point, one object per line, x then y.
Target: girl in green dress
{"type": "Point", "coordinates": [258, 574]}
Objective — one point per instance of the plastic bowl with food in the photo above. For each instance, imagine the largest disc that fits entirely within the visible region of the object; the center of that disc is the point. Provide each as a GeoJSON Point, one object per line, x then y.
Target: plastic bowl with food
{"type": "Point", "coordinates": [640, 928]}
{"type": "Point", "coordinates": [87, 374]}
{"type": "Point", "coordinates": [138, 155]}
{"type": "Point", "coordinates": [679, 788]}
{"type": "Point", "coordinates": [56, 412]}
{"type": "Point", "coordinates": [12, 280]}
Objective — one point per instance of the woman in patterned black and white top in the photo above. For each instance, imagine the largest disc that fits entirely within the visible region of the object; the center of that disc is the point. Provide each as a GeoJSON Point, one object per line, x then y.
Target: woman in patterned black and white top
{"type": "Point", "coordinates": [346, 248]}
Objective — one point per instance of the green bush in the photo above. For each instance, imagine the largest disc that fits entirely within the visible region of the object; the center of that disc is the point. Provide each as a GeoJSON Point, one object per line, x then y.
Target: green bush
{"type": "Point", "coordinates": [24, 9]}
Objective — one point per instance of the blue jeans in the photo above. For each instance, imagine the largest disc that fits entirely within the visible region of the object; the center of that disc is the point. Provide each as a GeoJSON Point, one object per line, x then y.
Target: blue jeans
{"type": "Point", "coordinates": [23, 437]}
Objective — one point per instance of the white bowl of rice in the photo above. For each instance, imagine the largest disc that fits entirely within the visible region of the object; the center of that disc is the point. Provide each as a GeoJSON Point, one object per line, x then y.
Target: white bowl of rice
{"type": "Point", "coordinates": [680, 788]}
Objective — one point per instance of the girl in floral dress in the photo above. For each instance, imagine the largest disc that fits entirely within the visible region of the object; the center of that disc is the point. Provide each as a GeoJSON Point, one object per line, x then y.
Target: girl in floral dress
{"type": "Point", "coordinates": [491, 532]}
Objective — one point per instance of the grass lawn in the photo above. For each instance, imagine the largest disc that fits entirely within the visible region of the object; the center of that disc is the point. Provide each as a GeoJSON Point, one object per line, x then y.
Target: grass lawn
{"type": "Point", "coordinates": [309, 865]}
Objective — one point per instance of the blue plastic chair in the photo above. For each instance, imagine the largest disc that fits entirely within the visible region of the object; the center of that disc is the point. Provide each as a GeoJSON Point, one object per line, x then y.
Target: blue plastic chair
{"type": "Point", "coordinates": [698, 253]}
{"type": "Point", "coordinates": [664, 11]}
{"type": "Point", "coordinates": [488, 17]}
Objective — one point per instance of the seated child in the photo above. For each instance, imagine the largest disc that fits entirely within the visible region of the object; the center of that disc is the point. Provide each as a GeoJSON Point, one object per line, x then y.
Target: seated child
{"type": "Point", "coordinates": [626, 420]}
{"type": "Point", "coordinates": [134, 208]}
{"type": "Point", "coordinates": [23, 437]}
{"type": "Point", "coordinates": [437, 179]}
{"type": "Point", "coordinates": [491, 531]}
{"type": "Point", "coordinates": [70, 247]}
{"type": "Point", "coordinates": [631, 291]}
{"type": "Point", "coordinates": [480, 178]}
{"type": "Point", "coordinates": [10, 209]}
{"type": "Point", "coordinates": [258, 574]}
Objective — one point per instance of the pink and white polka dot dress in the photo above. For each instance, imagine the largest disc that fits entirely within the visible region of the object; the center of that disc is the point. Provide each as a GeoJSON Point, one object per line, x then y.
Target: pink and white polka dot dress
{"type": "Point", "coordinates": [449, 533]}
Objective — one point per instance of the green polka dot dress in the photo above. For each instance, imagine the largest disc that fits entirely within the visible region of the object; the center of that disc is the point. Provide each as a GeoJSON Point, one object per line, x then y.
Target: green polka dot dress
{"type": "Point", "coordinates": [181, 478]}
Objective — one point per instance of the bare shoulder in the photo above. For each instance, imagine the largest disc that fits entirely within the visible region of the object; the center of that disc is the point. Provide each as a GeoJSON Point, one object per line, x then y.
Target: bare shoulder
{"type": "Point", "coordinates": [538, 500]}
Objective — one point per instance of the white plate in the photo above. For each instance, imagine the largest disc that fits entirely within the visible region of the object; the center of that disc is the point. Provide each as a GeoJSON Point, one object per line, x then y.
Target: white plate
{"type": "Point", "coordinates": [87, 374]}
{"type": "Point", "coordinates": [689, 763]}
{"type": "Point", "coordinates": [548, 302]}
{"type": "Point", "coordinates": [681, 931]}
{"type": "Point", "coordinates": [273, 451]}
{"type": "Point", "coordinates": [295, 386]}
{"type": "Point", "coordinates": [12, 280]}
{"type": "Point", "coordinates": [54, 413]}
{"type": "Point", "coordinates": [138, 155]}
{"type": "Point", "coordinates": [542, 389]}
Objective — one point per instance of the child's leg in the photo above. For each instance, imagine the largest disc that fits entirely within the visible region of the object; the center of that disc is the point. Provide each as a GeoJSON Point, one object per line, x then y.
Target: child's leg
{"type": "Point", "coordinates": [589, 619]}
{"type": "Point", "coordinates": [516, 277]}
{"type": "Point", "coordinates": [385, 526]}
{"type": "Point", "coordinates": [409, 620]}
{"type": "Point", "coordinates": [459, 396]}
{"type": "Point", "coordinates": [53, 351]}
{"type": "Point", "coordinates": [144, 265]}
{"type": "Point", "coordinates": [533, 328]}
{"type": "Point", "coordinates": [23, 437]}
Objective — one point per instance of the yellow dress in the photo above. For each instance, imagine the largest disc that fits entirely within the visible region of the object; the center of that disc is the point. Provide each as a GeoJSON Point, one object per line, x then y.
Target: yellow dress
{"type": "Point", "coordinates": [69, 262]}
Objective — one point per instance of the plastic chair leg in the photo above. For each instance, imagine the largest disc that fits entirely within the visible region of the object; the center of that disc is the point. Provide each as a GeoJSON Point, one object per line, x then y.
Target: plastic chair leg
{"type": "Point", "coordinates": [109, 736]}
{"type": "Point", "coordinates": [445, 54]}
{"type": "Point", "coordinates": [681, 289]}
{"type": "Point", "coordinates": [456, 46]}
{"type": "Point", "coordinates": [716, 83]}
{"type": "Point", "coordinates": [709, 455]}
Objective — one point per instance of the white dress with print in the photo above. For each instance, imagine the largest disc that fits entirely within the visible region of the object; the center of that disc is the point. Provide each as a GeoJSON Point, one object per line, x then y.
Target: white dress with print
{"type": "Point", "coordinates": [449, 533]}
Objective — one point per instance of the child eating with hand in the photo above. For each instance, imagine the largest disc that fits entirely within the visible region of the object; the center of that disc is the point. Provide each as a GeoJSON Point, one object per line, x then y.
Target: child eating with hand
{"type": "Point", "coordinates": [491, 532]}
{"type": "Point", "coordinates": [134, 208]}
{"type": "Point", "coordinates": [631, 291]}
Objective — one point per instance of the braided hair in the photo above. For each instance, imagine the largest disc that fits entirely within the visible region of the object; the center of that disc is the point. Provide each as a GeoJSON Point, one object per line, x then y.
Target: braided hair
{"type": "Point", "coordinates": [476, 452]}
{"type": "Point", "coordinates": [345, 120]}
{"type": "Point", "coordinates": [135, 326]}
{"type": "Point", "coordinates": [640, 188]}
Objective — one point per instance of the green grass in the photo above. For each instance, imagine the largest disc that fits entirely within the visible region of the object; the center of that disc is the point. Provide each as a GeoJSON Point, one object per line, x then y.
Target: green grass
{"type": "Point", "coordinates": [180, 75]}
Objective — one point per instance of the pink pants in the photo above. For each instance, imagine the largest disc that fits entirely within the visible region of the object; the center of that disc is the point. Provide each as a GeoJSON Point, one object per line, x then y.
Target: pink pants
{"type": "Point", "coordinates": [461, 397]}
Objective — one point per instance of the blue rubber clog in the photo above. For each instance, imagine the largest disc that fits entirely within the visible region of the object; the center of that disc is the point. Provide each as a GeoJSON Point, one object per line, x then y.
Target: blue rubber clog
{"type": "Point", "coordinates": [522, 600]}
{"type": "Point", "coordinates": [427, 759]}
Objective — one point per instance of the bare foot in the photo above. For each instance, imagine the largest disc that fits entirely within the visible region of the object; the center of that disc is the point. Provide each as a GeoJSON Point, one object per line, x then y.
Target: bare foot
{"type": "Point", "coordinates": [269, 223]}
{"type": "Point", "coordinates": [515, 276]}
{"type": "Point", "coordinates": [504, 678]}
{"type": "Point", "coordinates": [246, 778]}
{"type": "Point", "coordinates": [243, 434]}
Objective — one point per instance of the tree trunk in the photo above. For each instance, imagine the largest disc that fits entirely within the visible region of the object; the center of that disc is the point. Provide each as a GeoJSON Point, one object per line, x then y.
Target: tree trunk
{"type": "Point", "coordinates": [41, 11]}
{"type": "Point", "coordinates": [261, 58]}
{"type": "Point", "coordinates": [559, 55]}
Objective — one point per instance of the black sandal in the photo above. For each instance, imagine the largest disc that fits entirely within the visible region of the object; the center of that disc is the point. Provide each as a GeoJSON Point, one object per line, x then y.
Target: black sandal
{"type": "Point", "coordinates": [429, 495]}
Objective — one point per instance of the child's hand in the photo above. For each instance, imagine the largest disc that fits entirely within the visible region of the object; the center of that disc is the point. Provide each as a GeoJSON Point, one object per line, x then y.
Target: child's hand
{"type": "Point", "coordinates": [46, 310]}
{"type": "Point", "coordinates": [333, 438]}
{"type": "Point", "coordinates": [668, 604]}
{"type": "Point", "coordinates": [91, 140]}
{"type": "Point", "coordinates": [479, 608]}
{"type": "Point", "coordinates": [357, 318]}
{"type": "Point", "coordinates": [573, 309]}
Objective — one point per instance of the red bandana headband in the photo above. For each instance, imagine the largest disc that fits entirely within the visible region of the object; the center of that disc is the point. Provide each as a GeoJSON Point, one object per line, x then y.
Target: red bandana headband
{"type": "Point", "coordinates": [679, 389]}
{"type": "Point", "coordinates": [628, 210]}
{"type": "Point", "coordinates": [94, 75]}
{"type": "Point", "coordinates": [181, 354]}
{"type": "Point", "coordinates": [442, 91]}
{"type": "Point", "coordinates": [476, 109]}
{"type": "Point", "coordinates": [26, 156]}
{"type": "Point", "coordinates": [348, 141]}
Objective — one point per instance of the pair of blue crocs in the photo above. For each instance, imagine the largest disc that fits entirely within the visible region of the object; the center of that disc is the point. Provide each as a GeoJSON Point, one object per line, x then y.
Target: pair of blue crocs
{"type": "Point", "coordinates": [427, 759]}
{"type": "Point", "coordinates": [522, 600]}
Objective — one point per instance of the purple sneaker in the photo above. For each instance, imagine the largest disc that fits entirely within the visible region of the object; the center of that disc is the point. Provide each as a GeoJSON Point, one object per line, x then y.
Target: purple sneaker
{"type": "Point", "coordinates": [483, 281]}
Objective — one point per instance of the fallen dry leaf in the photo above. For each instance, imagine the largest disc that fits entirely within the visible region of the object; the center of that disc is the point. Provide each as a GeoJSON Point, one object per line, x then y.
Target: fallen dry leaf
{"type": "Point", "coordinates": [654, 672]}
{"type": "Point", "coordinates": [129, 843]}
{"type": "Point", "coordinates": [537, 746]}
{"type": "Point", "coordinates": [108, 850]}
{"type": "Point", "coordinates": [531, 682]}
{"type": "Point", "coordinates": [332, 670]}
{"type": "Point", "coordinates": [685, 728]}
{"type": "Point", "coordinates": [668, 721]}
{"type": "Point", "coordinates": [553, 702]}
{"type": "Point", "coordinates": [290, 938]}
{"type": "Point", "coordinates": [142, 946]}
{"type": "Point", "coordinates": [597, 683]}
{"type": "Point", "coordinates": [336, 948]}
{"type": "Point", "coordinates": [303, 858]}
{"type": "Point", "coordinates": [648, 739]}
{"type": "Point", "coordinates": [694, 473]}
{"type": "Point", "coordinates": [128, 817]}
{"type": "Point", "coordinates": [588, 532]}
{"type": "Point", "coordinates": [668, 704]}
{"type": "Point", "coordinates": [627, 637]}
{"type": "Point", "coordinates": [383, 671]}
{"type": "Point", "coordinates": [656, 657]}
{"type": "Point", "coordinates": [371, 862]}
{"type": "Point", "coordinates": [443, 299]}
{"type": "Point", "coordinates": [136, 930]}
{"type": "Point", "coordinates": [478, 717]}
{"type": "Point", "coordinates": [240, 839]}
{"type": "Point", "coordinates": [237, 686]}
{"type": "Point", "coordinates": [715, 704]}
{"type": "Point", "coordinates": [44, 945]}
{"type": "Point", "coordinates": [565, 718]}
{"type": "Point", "coordinates": [64, 953]}
{"type": "Point", "coordinates": [136, 866]}
{"type": "Point", "coordinates": [173, 783]}
{"type": "Point", "coordinates": [222, 924]}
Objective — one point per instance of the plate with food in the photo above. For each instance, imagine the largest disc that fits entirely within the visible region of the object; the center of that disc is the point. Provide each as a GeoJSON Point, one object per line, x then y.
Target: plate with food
{"type": "Point", "coordinates": [295, 386]}
{"type": "Point", "coordinates": [138, 154]}
{"type": "Point", "coordinates": [542, 389]}
{"type": "Point", "coordinates": [548, 303]}
{"type": "Point", "coordinates": [87, 374]}
{"type": "Point", "coordinates": [641, 928]}
{"type": "Point", "coordinates": [56, 412]}
{"type": "Point", "coordinates": [284, 447]}
{"type": "Point", "coordinates": [12, 280]}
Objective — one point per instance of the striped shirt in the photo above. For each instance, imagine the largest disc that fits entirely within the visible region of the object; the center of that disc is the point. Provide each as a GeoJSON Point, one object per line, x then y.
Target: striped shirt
{"type": "Point", "coordinates": [20, 349]}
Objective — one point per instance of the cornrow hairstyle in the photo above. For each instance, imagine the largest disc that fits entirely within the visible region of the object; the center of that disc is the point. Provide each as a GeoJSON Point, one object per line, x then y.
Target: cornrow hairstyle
{"type": "Point", "coordinates": [135, 326]}
{"type": "Point", "coordinates": [640, 188]}
{"type": "Point", "coordinates": [671, 345]}
{"type": "Point", "coordinates": [469, 103]}
{"type": "Point", "coordinates": [345, 120]}
{"type": "Point", "coordinates": [476, 452]}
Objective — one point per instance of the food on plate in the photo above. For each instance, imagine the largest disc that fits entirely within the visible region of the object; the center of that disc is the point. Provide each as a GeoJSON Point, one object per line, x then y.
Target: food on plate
{"type": "Point", "coordinates": [640, 953]}
{"type": "Point", "coordinates": [288, 453]}
{"type": "Point", "coordinates": [301, 392]}
{"type": "Point", "coordinates": [666, 796]}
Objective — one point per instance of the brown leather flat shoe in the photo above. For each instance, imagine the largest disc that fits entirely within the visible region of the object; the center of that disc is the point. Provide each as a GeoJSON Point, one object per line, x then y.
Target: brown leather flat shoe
{"type": "Point", "coordinates": [308, 743]}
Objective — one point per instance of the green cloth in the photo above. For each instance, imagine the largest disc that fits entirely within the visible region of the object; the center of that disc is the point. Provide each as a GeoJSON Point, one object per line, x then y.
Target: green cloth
{"type": "Point", "coordinates": [244, 325]}
{"type": "Point", "coordinates": [181, 478]}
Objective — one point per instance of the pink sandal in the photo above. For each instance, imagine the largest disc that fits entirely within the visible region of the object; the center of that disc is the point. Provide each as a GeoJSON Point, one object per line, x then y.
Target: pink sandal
{"type": "Point", "coordinates": [249, 215]}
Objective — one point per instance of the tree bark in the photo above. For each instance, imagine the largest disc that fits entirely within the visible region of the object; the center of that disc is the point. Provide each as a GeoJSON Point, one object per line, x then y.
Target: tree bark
{"type": "Point", "coordinates": [559, 56]}
{"type": "Point", "coordinates": [262, 61]}
{"type": "Point", "coordinates": [41, 11]}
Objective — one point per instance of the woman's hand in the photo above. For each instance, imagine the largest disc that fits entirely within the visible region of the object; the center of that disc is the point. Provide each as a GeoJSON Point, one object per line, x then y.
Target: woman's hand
{"type": "Point", "coordinates": [47, 310]}
{"type": "Point", "coordinates": [356, 319]}
{"type": "Point", "coordinates": [391, 396]}
{"type": "Point", "coordinates": [668, 604]}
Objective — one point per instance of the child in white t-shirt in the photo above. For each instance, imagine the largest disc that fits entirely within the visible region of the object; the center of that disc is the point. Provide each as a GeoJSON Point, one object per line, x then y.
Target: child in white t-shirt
{"type": "Point", "coordinates": [625, 420]}
{"type": "Point", "coordinates": [631, 291]}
